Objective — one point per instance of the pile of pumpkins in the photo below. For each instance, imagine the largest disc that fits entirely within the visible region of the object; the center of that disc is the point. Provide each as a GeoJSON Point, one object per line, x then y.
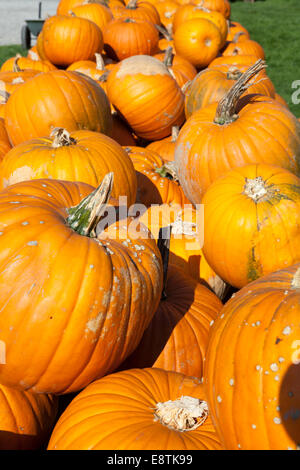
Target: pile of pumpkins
{"type": "Point", "coordinates": [177, 324]}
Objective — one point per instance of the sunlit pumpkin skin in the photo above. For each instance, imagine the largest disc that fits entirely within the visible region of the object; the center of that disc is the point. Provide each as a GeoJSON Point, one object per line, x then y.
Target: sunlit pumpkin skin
{"type": "Point", "coordinates": [190, 11]}
{"type": "Point", "coordinates": [198, 40]}
{"type": "Point", "coordinates": [99, 14]}
{"type": "Point", "coordinates": [69, 319]}
{"type": "Point", "coordinates": [97, 70]}
{"type": "Point", "coordinates": [246, 47]}
{"type": "Point", "coordinates": [56, 99]}
{"type": "Point", "coordinates": [211, 84]}
{"type": "Point", "coordinates": [186, 242]}
{"type": "Point", "coordinates": [131, 396]}
{"type": "Point", "coordinates": [264, 132]}
{"type": "Point", "coordinates": [223, 6]}
{"type": "Point", "coordinates": [234, 29]}
{"type": "Point", "coordinates": [176, 338]}
{"type": "Point", "coordinates": [252, 366]}
{"type": "Point", "coordinates": [145, 94]}
{"type": "Point", "coordinates": [137, 9]}
{"type": "Point", "coordinates": [64, 6]}
{"type": "Point", "coordinates": [167, 10]}
{"type": "Point", "coordinates": [154, 184]}
{"type": "Point", "coordinates": [27, 419]}
{"type": "Point", "coordinates": [84, 156]}
{"type": "Point", "coordinates": [126, 37]}
{"type": "Point", "coordinates": [67, 39]}
{"type": "Point", "coordinates": [10, 81]}
{"type": "Point", "coordinates": [233, 60]}
{"type": "Point", "coordinates": [5, 144]}
{"type": "Point", "coordinates": [264, 232]}
{"type": "Point", "coordinates": [25, 63]}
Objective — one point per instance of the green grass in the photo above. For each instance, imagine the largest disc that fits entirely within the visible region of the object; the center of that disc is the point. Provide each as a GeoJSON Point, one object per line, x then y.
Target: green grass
{"type": "Point", "coordinates": [272, 23]}
{"type": "Point", "coordinates": [275, 25]}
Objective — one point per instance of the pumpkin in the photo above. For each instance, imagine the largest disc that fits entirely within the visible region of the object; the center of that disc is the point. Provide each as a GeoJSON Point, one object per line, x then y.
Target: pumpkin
{"type": "Point", "coordinates": [198, 40]}
{"type": "Point", "coordinates": [264, 232]}
{"type": "Point", "coordinates": [145, 94]}
{"type": "Point", "coordinates": [186, 242]}
{"type": "Point", "coordinates": [223, 6]}
{"type": "Point", "coordinates": [97, 70]}
{"type": "Point", "coordinates": [165, 39]}
{"type": "Point", "coordinates": [77, 156]}
{"type": "Point", "coordinates": [11, 80]}
{"type": "Point", "coordinates": [246, 47]}
{"type": "Point", "coordinates": [181, 69]}
{"type": "Point", "coordinates": [281, 100]}
{"type": "Point", "coordinates": [96, 12]}
{"type": "Point", "coordinates": [211, 84]}
{"type": "Point", "coordinates": [165, 147]}
{"type": "Point", "coordinates": [126, 37]}
{"type": "Point", "coordinates": [167, 9]}
{"type": "Point", "coordinates": [63, 328]}
{"type": "Point", "coordinates": [191, 11]}
{"type": "Point", "coordinates": [252, 365]}
{"type": "Point", "coordinates": [56, 99]}
{"type": "Point", "coordinates": [233, 60]}
{"type": "Point", "coordinates": [19, 63]}
{"type": "Point", "coordinates": [121, 133]}
{"type": "Point", "coordinates": [156, 182]}
{"type": "Point", "coordinates": [236, 28]}
{"type": "Point", "coordinates": [137, 9]}
{"type": "Point", "coordinates": [233, 133]}
{"type": "Point", "coordinates": [5, 144]}
{"type": "Point", "coordinates": [148, 404]}
{"type": "Point", "coordinates": [27, 419]}
{"type": "Point", "coordinates": [64, 6]}
{"type": "Point", "coordinates": [67, 39]}
{"type": "Point", "coordinates": [177, 336]}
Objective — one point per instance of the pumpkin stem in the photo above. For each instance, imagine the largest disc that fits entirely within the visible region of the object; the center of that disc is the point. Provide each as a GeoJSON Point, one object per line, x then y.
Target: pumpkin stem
{"type": "Point", "coordinates": [168, 170]}
{"type": "Point", "coordinates": [175, 133]}
{"type": "Point", "coordinates": [100, 65]}
{"type": "Point", "coordinates": [164, 32]}
{"type": "Point", "coordinates": [132, 4]}
{"type": "Point", "coordinates": [233, 73]}
{"type": "Point", "coordinates": [255, 188]}
{"type": "Point", "coordinates": [61, 138]}
{"type": "Point", "coordinates": [237, 36]}
{"type": "Point", "coordinates": [4, 94]}
{"type": "Point", "coordinates": [226, 108]}
{"type": "Point", "coordinates": [168, 57]}
{"type": "Point", "coordinates": [295, 284]}
{"type": "Point", "coordinates": [163, 244]}
{"type": "Point", "coordinates": [85, 217]}
{"type": "Point", "coordinates": [184, 414]}
{"type": "Point", "coordinates": [16, 67]}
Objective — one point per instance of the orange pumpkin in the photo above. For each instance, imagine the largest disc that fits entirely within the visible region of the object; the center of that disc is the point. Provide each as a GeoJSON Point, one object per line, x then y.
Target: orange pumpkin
{"type": "Point", "coordinates": [198, 40]}
{"type": "Point", "coordinates": [236, 28]}
{"type": "Point", "coordinates": [141, 401]}
{"type": "Point", "coordinates": [10, 81]}
{"type": "Point", "coordinates": [96, 12]}
{"type": "Point", "coordinates": [63, 327]}
{"type": "Point", "coordinates": [19, 63]}
{"type": "Point", "coordinates": [254, 346]}
{"type": "Point", "coordinates": [246, 47]}
{"type": "Point", "coordinates": [56, 99]}
{"type": "Point", "coordinates": [27, 419]}
{"type": "Point", "coordinates": [233, 60]}
{"type": "Point", "coordinates": [211, 85]}
{"type": "Point", "coordinates": [165, 147]}
{"type": "Point", "coordinates": [97, 70]}
{"type": "Point", "coordinates": [265, 228]}
{"type": "Point", "coordinates": [67, 39]}
{"type": "Point", "coordinates": [233, 133]}
{"type": "Point", "coordinates": [126, 37]}
{"type": "Point", "coordinates": [122, 133]}
{"type": "Point", "coordinates": [177, 336]}
{"type": "Point", "coordinates": [77, 156]}
{"type": "Point", "coordinates": [145, 94]}
{"type": "Point", "coordinates": [167, 9]}
{"type": "Point", "coordinates": [137, 9]}
{"type": "Point", "coordinates": [223, 6]}
{"type": "Point", "coordinates": [181, 69]}
{"type": "Point", "coordinates": [155, 182]}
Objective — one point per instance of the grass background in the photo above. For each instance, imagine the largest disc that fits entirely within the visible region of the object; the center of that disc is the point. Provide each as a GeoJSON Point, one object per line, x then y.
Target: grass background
{"type": "Point", "coordinates": [272, 23]}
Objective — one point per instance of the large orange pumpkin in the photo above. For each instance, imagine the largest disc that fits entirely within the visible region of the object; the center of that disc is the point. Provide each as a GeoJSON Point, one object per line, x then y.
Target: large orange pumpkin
{"type": "Point", "coordinates": [234, 133]}
{"type": "Point", "coordinates": [177, 336]}
{"type": "Point", "coordinates": [84, 156]}
{"type": "Point", "coordinates": [211, 84]}
{"type": "Point", "coordinates": [246, 47]}
{"type": "Point", "coordinates": [198, 40]}
{"type": "Point", "coordinates": [137, 9]}
{"type": "Point", "coordinates": [56, 99]}
{"type": "Point", "coordinates": [153, 410]}
{"type": "Point", "coordinates": [74, 302]}
{"type": "Point", "coordinates": [27, 419]}
{"type": "Point", "coordinates": [252, 366]}
{"type": "Point", "coordinates": [259, 206]}
{"type": "Point", "coordinates": [126, 37]}
{"type": "Point", "coordinates": [67, 39]}
{"type": "Point", "coordinates": [99, 13]}
{"type": "Point", "coordinates": [223, 6]}
{"type": "Point", "coordinates": [145, 94]}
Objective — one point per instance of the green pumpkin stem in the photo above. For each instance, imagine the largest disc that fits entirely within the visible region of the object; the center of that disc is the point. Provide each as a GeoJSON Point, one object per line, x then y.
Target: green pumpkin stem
{"type": "Point", "coordinates": [168, 170]}
{"type": "Point", "coordinates": [85, 217]}
{"type": "Point", "coordinates": [226, 110]}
